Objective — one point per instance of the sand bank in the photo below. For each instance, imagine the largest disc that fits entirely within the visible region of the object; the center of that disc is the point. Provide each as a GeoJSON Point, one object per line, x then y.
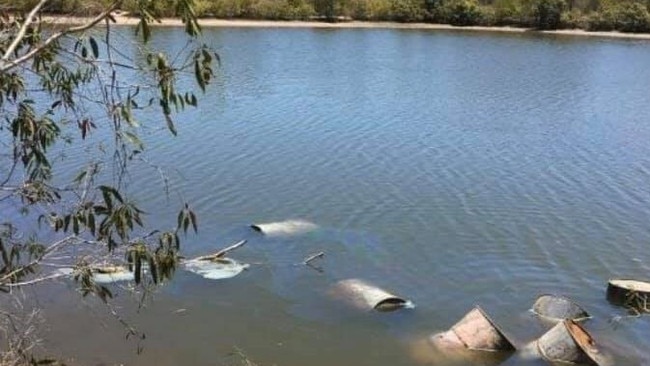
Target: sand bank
{"type": "Point", "coordinates": [228, 23]}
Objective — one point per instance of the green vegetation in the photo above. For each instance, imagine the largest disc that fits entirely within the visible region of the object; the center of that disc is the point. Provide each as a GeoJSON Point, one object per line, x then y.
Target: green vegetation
{"type": "Point", "coordinates": [593, 15]}
{"type": "Point", "coordinates": [72, 87]}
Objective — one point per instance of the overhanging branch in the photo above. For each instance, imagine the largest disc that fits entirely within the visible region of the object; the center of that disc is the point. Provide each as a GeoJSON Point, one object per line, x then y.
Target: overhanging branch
{"type": "Point", "coordinates": [23, 29]}
{"type": "Point", "coordinates": [8, 64]}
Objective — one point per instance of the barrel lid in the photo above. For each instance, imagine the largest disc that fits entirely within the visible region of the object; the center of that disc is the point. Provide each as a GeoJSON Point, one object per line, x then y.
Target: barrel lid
{"type": "Point", "coordinates": [558, 308]}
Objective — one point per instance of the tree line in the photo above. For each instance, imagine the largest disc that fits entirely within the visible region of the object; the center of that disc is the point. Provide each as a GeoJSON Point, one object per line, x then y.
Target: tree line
{"type": "Point", "coordinates": [592, 15]}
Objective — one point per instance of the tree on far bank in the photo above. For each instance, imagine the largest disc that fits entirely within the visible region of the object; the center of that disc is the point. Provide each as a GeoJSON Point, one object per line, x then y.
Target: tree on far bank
{"type": "Point", "coordinates": [548, 13]}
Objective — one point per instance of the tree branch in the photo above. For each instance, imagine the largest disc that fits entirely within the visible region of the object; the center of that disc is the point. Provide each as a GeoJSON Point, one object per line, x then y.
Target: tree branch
{"type": "Point", "coordinates": [10, 64]}
{"type": "Point", "coordinates": [23, 29]}
{"type": "Point", "coordinates": [47, 251]}
{"type": "Point", "coordinates": [35, 281]}
{"type": "Point", "coordinates": [221, 253]}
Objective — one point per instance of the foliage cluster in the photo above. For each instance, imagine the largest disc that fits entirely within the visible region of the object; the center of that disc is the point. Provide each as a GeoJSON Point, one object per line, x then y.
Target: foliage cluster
{"type": "Point", "coordinates": [593, 15]}
{"type": "Point", "coordinates": [621, 15]}
{"type": "Point", "coordinates": [60, 85]}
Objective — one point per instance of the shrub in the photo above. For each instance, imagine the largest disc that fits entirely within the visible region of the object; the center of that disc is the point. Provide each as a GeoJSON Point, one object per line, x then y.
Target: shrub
{"type": "Point", "coordinates": [508, 12]}
{"type": "Point", "coordinates": [463, 12]}
{"type": "Point", "coordinates": [547, 14]}
{"type": "Point", "coordinates": [574, 19]}
{"type": "Point", "coordinates": [632, 17]}
{"type": "Point", "coordinates": [604, 20]}
{"type": "Point", "coordinates": [488, 16]}
{"type": "Point", "coordinates": [406, 11]}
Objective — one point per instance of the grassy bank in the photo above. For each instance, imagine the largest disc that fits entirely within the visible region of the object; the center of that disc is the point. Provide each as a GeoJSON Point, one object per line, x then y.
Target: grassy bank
{"type": "Point", "coordinates": [630, 16]}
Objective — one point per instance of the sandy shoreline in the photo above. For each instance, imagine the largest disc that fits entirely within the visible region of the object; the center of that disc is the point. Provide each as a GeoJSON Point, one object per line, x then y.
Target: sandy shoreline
{"type": "Point", "coordinates": [228, 23]}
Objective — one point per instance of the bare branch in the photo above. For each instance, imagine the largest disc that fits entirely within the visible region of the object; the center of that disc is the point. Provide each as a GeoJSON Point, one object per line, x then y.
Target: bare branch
{"type": "Point", "coordinates": [47, 251]}
{"type": "Point", "coordinates": [10, 64]}
{"type": "Point", "coordinates": [23, 29]}
{"type": "Point", "coordinates": [35, 281]}
{"type": "Point", "coordinates": [222, 252]}
{"type": "Point", "coordinates": [308, 260]}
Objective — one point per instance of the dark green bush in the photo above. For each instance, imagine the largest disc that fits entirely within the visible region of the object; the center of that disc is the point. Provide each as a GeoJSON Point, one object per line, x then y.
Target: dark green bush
{"type": "Point", "coordinates": [406, 11]}
{"type": "Point", "coordinates": [547, 14]}
{"type": "Point", "coordinates": [508, 12]}
{"type": "Point", "coordinates": [632, 17]}
{"type": "Point", "coordinates": [463, 12]}
{"type": "Point", "coordinates": [602, 21]}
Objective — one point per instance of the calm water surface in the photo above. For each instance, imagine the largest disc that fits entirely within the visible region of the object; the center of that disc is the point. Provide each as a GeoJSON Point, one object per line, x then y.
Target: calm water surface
{"type": "Point", "coordinates": [454, 169]}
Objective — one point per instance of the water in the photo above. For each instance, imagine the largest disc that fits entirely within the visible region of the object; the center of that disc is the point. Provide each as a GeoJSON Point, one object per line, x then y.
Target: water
{"type": "Point", "coordinates": [453, 169]}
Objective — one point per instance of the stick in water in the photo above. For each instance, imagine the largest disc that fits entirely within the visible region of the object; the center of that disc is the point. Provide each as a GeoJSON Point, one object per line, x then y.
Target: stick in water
{"type": "Point", "coordinates": [313, 257]}
{"type": "Point", "coordinates": [222, 252]}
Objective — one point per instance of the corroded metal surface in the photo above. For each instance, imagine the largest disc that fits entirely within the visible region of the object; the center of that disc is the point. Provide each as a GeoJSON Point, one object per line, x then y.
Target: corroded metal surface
{"type": "Point", "coordinates": [366, 296]}
{"type": "Point", "coordinates": [558, 308]}
{"type": "Point", "coordinates": [568, 342]}
{"type": "Point", "coordinates": [478, 332]}
{"type": "Point", "coordinates": [628, 292]}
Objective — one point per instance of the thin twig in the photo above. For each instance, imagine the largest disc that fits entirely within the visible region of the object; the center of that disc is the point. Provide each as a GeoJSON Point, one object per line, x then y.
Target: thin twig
{"type": "Point", "coordinates": [221, 253]}
{"type": "Point", "coordinates": [35, 281]}
{"type": "Point", "coordinates": [312, 257]}
{"type": "Point", "coordinates": [23, 29]}
{"type": "Point", "coordinates": [10, 64]}
{"type": "Point", "coordinates": [47, 251]}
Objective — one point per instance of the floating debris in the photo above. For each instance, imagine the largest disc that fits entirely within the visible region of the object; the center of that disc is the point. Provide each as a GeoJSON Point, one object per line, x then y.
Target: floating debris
{"type": "Point", "coordinates": [365, 296]}
{"type": "Point", "coordinates": [629, 293]}
{"type": "Point", "coordinates": [215, 269]}
{"type": "Point", "coordinates": [103, 275]}
{"type": "Point", "coordinates": [112, 274]}
{"type": "Point", "coordinates": [569, 342]}
{"type": "Point", "coordinates": [288, 227]}
{"type": "Point", "coordinates": [558, 308]}
{"type": "Point", "coordinates": [475, 331]}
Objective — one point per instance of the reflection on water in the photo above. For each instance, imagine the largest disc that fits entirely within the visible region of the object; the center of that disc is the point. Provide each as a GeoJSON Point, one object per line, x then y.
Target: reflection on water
{"type": "Point", "coordinates": [454, 169]}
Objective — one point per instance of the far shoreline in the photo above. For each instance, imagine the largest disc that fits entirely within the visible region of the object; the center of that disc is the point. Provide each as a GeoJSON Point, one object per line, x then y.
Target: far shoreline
{"type": "Point", "coordinates": [249, 23]}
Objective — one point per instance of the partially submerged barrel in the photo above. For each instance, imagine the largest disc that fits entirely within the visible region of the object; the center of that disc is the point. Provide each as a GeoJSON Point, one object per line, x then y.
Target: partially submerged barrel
{"type": "Point", "coordinates": [284, 228]}
{"type": "Point", "coordinates": [425, 352]}
{"type": "Point", "coordinates": [366, 296]}
{"type": "Point", "coordinates": [568, 342]}
{"type": "Point", "coordinates": [475, 331]}
{"type": "Point", "coordinates": [558, 308]}
{"type": "Point", "coordinates": [629, 293]}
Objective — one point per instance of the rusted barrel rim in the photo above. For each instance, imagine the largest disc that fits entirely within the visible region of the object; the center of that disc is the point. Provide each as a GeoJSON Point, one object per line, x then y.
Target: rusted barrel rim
{"type": "Point", "coordinates": [582, 341]}
{"type": "Point", "coordinates": [365, 295]}
{"type": "Point", "coordinates": [629, 293]}
{"type": "Point", "coordinates": [565, 298]}
{"type": "Point", "coordinates": [496, 327]}
{"type": "Point", "coordinates": [507, 344]}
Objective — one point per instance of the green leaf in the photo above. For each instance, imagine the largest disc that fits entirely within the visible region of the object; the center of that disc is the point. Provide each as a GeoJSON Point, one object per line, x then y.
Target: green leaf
{"type": "Point", "coordinates": [66, 222]}
{"type": "Point", "coordinates": [144, 26]}
{"type": "Point", "coordinates": [75, 225]}
{"type": "Point", "coordinates": [91, 223]}
{"type": "Point", "coordinates": [134, 140]}
{"type": "Point", "coordinates": [153, 269]}
{"type": "Point", "coordinates": [80, 176]}
{"type": "Point", "coordinates": [180, 219]}
{"type": "Point", "coordinates": [138, 269]}
{"type": "Point", "coordinates": [193, 221]}
{"type": "Point", "coordinates": [199, 75]}
{"type": "Point", "coordinates": [107, 200]}
{"type": "Point", "coordinates": [94, 47]}
{"type": "Point", "coordinates": [170, 124]}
